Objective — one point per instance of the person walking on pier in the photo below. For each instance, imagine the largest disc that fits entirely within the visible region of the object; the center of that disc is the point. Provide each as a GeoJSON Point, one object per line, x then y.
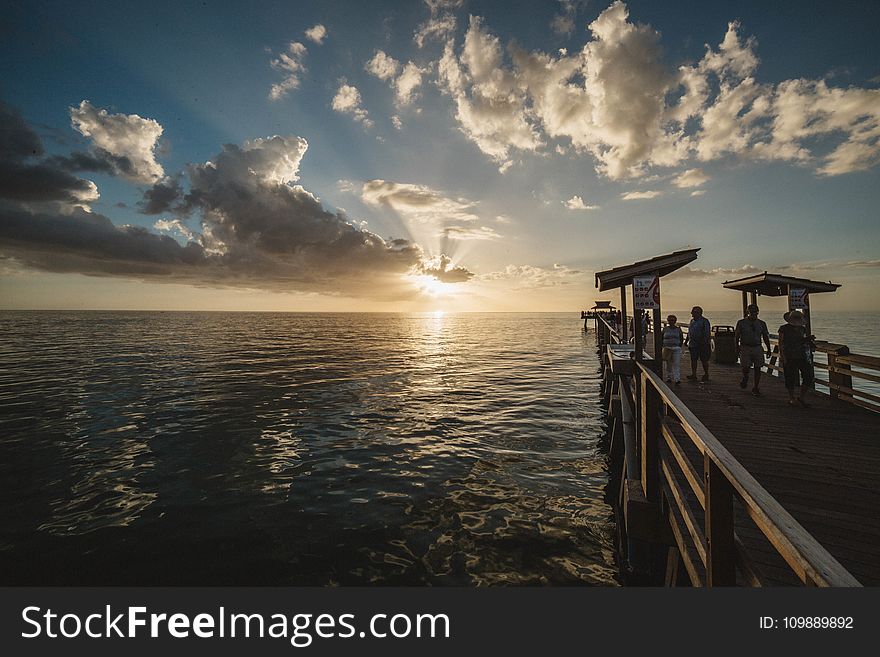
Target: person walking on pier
{"type": "Point", "coordinates": [699, 343]}
{"type": "Point", "coordinates": [794, 345]}
{"type": "Point", "coordinates": [749, 333]}
{"type": "Point", "coordinates": [673, 338]}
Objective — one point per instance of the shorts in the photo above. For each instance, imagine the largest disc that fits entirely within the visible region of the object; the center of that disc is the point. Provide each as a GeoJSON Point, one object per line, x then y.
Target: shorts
{"type": "Point", "coordinates": [794, 367]}
{"type": "Point", "coordinates": [751, 355]}
{"type": "Point", "coordinates": [700, 352]}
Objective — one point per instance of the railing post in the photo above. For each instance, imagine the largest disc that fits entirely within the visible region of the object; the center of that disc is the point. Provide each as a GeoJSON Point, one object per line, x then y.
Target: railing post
{"type": "Point", "coordinates": [838, 378]}
{"type": "Point", "coordinates": [649, 427]}
{"type": "Point", "coordinates": [721, 551]}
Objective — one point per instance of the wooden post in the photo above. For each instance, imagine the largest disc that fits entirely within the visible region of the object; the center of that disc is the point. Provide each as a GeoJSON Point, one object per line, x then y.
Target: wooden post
{"type": "Point", "coordinates": [808, 325]}
{"type": "Point", "coordinates": [838, 378]}
{"type": "Point", "coordinates": [721, 550]}
{"type": "Point", "coordinates": [658, 343]}
{"type": "Point", "coordinates": [637, 333]}
{"type": "Point", "coordinates": [624, 329]}
{"type": "Point", "coordinates": [745, 303]}
{"type": "Point", "coordinates": [753, 297]}
{"type": "Point", "coordinates": [649, 428]}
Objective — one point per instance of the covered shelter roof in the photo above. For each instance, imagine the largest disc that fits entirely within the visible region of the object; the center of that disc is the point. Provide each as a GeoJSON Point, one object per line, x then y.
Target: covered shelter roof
{"type": "Point", "coordinates": [777, 285]}
{"type": "Point", "coordinates": [602, 305]}
{"type": "Point", "coordinates": [662, 265]}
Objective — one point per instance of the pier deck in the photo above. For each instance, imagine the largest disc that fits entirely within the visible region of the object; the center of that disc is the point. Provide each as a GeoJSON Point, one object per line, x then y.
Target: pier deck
{"type": "Point", "coordinates": [820, 463]}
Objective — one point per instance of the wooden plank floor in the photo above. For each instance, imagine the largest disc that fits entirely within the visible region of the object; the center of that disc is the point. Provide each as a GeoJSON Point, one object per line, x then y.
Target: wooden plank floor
{"type": "Point", "coordinates": [821, 463]}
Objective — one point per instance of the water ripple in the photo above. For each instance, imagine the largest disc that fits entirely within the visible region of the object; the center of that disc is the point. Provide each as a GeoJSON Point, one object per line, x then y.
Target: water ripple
{"type": "Point", "coordinates": [208, 448]}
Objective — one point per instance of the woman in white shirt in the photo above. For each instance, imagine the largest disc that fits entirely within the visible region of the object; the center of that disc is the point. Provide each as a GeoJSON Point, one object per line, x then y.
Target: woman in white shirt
{"type": "Point", "coordinates": [673, 338]}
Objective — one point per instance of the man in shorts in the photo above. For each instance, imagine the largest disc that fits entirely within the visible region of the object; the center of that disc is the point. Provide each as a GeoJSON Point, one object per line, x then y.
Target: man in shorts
{"type": "Point", "coordinates": [699, 343]}
{"type": "Point", "coordinates": [749, 333]}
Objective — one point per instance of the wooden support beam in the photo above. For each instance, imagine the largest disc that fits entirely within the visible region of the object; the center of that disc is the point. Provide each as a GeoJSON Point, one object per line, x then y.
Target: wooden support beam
{"type": "Point", "coordinates": [649, 435]}
{"type": "Point", "coordinates": [721, 549]}
{"type": "Point", "coordinates": [624, 324]}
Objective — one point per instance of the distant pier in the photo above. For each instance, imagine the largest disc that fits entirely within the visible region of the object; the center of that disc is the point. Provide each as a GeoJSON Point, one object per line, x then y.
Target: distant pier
{"type": "Point", "coordinates": [714, 487]}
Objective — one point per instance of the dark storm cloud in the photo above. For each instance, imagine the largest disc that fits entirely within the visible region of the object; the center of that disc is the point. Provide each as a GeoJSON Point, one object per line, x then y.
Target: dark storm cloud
{"type": "Point", "coordinates": [21, 178]}
{"type": "Point", "coordinates": [161, 197]}
{"type": "Point", "coordinates": [257, 228]}
{"type": "Point", "coordinates": [17, 140]}
{"type": "Point", "coordinates": [98, 160]}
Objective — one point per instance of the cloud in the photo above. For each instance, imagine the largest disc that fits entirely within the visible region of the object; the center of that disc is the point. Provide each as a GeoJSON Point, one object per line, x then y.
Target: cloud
{"type": "Point", "coordinates": [637, 196]}
{"type": "Point", "coordinates": [396, 122]}
{"type": "Point", "coordinates": [348, 101]}
{"type": "Point", "coordinates": [291, 64]}
{"type": "Point", "coordinates": [442, 269]}
{"type": "Point", "coordinates": [129, 138]}
{"type": "Point", "coordinates": [174, 226]}
{"type": "Point", "coordinates": [691, 178]}
{"type": "Point", "coordinates": [466, 233]}
{"type": "Point", "coordinates": [577, 203]}
{"type": "Point", "coordinates": [161, 197]}
{"type": "Point", "coordinates": [418, 203]}
{"type": "Point", "coordinates": [440, 25]}
{"type": "Point", "coordinates": [698, 192]}
{"type": "Point", "coordinates": [25, 180]}
{"type": "Point", "coordinates": [529, 276]}
{"type": "Point", "coordinates": [618, 101]}
{"type": "Point", "coordinates": [489, 101]}
{"type": "Point", "coordinates": [563, 22]}
{"type": "Point", "coordinates": [382, 66]}
{"type": "Point", "coordinates": [718, 272]}
{"type": "Point", "coordinates": [316, 34]}
{"type": "Point", "coordinates": [257, 228]}
{"type": "Point", "coordinates": [407, 83]}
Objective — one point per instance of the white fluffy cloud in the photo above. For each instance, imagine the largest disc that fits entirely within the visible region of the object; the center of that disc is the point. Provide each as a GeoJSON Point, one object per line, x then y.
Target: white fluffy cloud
{"type": "Point", "coordinates": [530, 276]}
{"type": "Point", "coordinates": [404, 80]}
{"type": "Point", "coordinates": [465, 233]}
{"type": "Point", "coordinates": [577, 203]}
{"type": "Point", "coordinates": [638, 196]}
{"type": "Point", "coordinates": [128, 137]}
{"type": "Point", "coordinates": [440, 25]}
{"type": "Point", "coordinates": [291, 64]}
{"type": "Point", "coordinates": [316, 34]}
{"type": "Point", "coordinates": [418, 203]}
{"type": "Point", "coordinates": [489, 101]}
{"type": "Point", "coordinates": [348, 101]}
{"type": "Point", "coordinates": [382, 65]}
{"type": "Point", "coordinates": [691, 178]}
{"type": "Point", "coordinates": [617, 100]}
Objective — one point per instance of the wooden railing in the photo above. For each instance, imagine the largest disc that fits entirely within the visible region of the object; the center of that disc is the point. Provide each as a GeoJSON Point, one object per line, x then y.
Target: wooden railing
{"type": "Point", "coordinates": [685, 471]}
{"type": "Point", "coordinates": [841, 368]}
{"type": "Point", "coordinates": [665, 420]}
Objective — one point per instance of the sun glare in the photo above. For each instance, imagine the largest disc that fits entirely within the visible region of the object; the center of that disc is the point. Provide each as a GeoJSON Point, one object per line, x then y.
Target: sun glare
{"type": "Point", "coordinates": [431, 287]}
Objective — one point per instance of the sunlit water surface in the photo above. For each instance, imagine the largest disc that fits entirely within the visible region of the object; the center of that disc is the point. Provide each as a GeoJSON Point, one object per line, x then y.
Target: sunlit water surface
{"type": "Point", "coordinates": [231, 448]}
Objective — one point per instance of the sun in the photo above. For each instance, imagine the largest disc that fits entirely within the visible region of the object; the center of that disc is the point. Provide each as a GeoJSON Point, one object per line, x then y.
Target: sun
{"type": "Point", "coordinates": [432, 287]}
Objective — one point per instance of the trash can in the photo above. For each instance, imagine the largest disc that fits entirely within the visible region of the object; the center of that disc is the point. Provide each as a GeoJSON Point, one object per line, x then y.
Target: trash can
{"type": "Point", "coordinates": [725, 344]}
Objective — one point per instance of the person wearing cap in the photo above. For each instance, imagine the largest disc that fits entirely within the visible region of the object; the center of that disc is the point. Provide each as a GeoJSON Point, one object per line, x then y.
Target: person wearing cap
{"type": "Point", "coordinates": [794, 345]}
{"type": "Point", "coordinates": [749, 333]}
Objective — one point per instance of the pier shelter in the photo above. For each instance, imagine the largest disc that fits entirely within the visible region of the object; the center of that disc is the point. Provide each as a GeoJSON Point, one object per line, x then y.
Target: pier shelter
{"type": "Point", "coordinates": [639, 275]}
{"type": "Point", "coordinates": [798, 291]}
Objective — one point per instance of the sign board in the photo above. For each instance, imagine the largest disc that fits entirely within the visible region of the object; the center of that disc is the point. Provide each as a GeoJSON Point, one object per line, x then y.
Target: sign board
{"type": "Point", "coordinates": [798, 298]}
{"type": "Point", "coordinates": [646, 292]}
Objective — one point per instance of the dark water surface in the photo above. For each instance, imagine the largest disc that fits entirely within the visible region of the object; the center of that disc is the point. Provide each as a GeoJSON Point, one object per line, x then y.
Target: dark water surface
{"type": "Point", "coordinates": [237, 448]}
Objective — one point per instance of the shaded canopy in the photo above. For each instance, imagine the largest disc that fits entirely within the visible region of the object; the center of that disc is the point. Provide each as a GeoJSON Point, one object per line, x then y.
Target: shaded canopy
{"type": "Point", "coordinates": [777, 285]}
{"type": "Point", "coordinates": [662, 265]}
{"type": "Point", "coordinates": [602, 305]}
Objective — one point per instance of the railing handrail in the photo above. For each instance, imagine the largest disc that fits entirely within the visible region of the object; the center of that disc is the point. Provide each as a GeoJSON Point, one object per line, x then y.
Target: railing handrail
{"type": "Point", "coordinates": [810, 561]}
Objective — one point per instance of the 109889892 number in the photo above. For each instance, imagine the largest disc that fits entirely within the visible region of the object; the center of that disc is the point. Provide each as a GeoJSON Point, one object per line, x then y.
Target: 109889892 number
{"type": "Point", "coordinates": [817, 622]}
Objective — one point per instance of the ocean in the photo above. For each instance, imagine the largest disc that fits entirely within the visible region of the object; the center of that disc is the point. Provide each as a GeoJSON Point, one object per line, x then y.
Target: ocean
{"type": "Point", "coordinates": [151, 448]}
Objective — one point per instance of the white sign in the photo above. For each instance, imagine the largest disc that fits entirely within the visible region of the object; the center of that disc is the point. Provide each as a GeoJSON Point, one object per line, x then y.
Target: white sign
{"type": "Point", "coordinates": [646, 292]}
{"type": "Point", "coordinates": [798, 298]}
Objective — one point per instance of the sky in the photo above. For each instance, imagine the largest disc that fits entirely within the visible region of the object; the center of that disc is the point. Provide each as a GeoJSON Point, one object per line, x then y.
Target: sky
{"type": "Point", "coordinates": [455, 155]}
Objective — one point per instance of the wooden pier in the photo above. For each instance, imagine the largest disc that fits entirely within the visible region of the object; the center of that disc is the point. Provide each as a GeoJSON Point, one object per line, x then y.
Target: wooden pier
{"type": "Point", "coordinates": [715, 487]}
